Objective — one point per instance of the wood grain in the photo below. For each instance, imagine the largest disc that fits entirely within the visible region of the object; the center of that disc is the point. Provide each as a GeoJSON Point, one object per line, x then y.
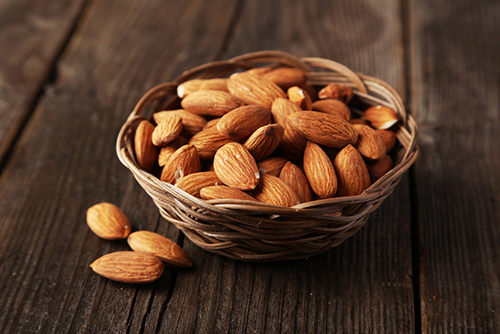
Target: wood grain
{"type": "Point", "coordinates": [455, 93]}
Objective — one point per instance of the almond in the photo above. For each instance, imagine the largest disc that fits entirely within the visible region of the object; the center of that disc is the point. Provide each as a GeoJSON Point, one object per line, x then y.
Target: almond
{"type": "Point", "coordinates": [272, 190]}
{"type": "Point", "coordinates": [333, 107]}
{"type": "Point", "coordinates": [107, 221]}
{"type": "Point", "coordinates": [378, 168]}
{"type": "Point", "coordinates": [243, 121]}
{"type": "Point", "coordinates": [295, 178]}
{"type": "Point", "coordinates": [324, 129]}
{"type": "Point", "coordinates": [129, 267]}
{"type": "Point", "coordinates": [353, 177]}
{"type": "Point", "coordinates": [211, 123]}
{"type": "Point", "coordinates": [272, 166]}
{"type": "Point", "coordinates": [359, 121]}
{"type": "Point", "coordinates": [184, 161]}
{"type": "Point", "coordinates": [389, 138]}
{"type": "Point", "coordinates": [236, 167]}
{"type": "Point", "coordinates": [381, 117]}
{"type": "Point", "coordinates": [167, 131]}
{"type": "Point", "coordinates": [168, 150]}
{"type": "Point", "coordinates": [336, 91]}
{"type": "Point", "coordinates": [319, 171]}
{"type": "Point", "coordinates": [254, 89]}
{"type": "Point", "coordinates": [159, 246]}
{"type": "Point", "coordinates": [193, 183]}
{"type": "Point", "coordinates": [191, 123]}
{"type": "Point", "coordinates": [264, 141]}
{"type": "Point", "coordinates": [293, 142]}
{"type": "Point", "coordinates": [370, 145]}
{"type": "Point", "coordinates": [311, 91]}
{"type": "Point", "coordinates": [259, 70]}
{"type": "Point", "coordinates": [286, 77]}
{"type": "Point", "coordinates": [210, 102]}
{"type": "Point", "coordinates": [208, 141]}
{"type": "Point", "coordinates": [224, 192]}
{"type": "Point", "coordinates": [299, 97]}
{"type": "Point", "coordinates": [145, 152]}
{"type": "Point", "coordinates": [188, 87]}
{"type": "Point", "coordinates": [215, 84]}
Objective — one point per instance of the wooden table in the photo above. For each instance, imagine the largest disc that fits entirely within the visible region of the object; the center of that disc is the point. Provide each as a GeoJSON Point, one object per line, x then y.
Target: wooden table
{"type": "Point", "coordinates": [71, 72]}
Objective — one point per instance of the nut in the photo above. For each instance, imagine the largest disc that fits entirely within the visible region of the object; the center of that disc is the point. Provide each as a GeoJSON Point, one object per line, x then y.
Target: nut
{"type": "Point", "coordinates": [184, 161]}
{"type": "Point", "coordinates": [241, 122]}
{"type": "Point", "coordinates": [274, 191]}
{"type": "Point", "coordinates": [236, 167]}
{"type": "Point", "coordinates": [107, 221]}
{"type": "Point", "coordinates": [254, 89]}
{"type": "Point", "coordinates": [319, 171]}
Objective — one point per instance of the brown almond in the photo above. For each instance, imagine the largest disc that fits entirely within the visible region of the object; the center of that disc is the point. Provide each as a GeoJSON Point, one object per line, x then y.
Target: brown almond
{"type": "Point", "coordinates": [107, 221]}
{"type": "Point", "coordinates": [311, 91]}
{"type": "Point", "coordinates": [286, 77]}
{"type": "Point", "coordinates": [389, 138]}
{"type": "Point", "coordinates": [381, 117]}
{"type": "Point", "coordinates": [210, 102]}
{"type": "Point", "coordinates": [236, 167]}
{"type": "Point", "coordinates": [333, 107]}
{"type": "Point", "coordinates": [264, 141]}
{"type": "Point", "coordinates": [336, 91]}
{"type": "Point", "coordinates": [211, 123]}
{"type": "Point", "coordinates": [146, 152]}
{"type": "Point", "coordinates": [208, 141]}
{"type": "Point", "coordinates": [352, 174]}
{"type": "Point", "coordinates": [274, 191]}
{"type": "Point", "coordinates": [359, 121]}
{"type": "Point", "coordinates": [258, 70]}
{"type": "Point", "coordinates": [295, 178]}
{"type": "Point", "coordinates": [243, 121]}
{"type": "Point", "coordinates": [193, 183]}
{"type": "Point", "coordinates": [319, 171]}
{"type": "Point", "coordinates": [324, 129]}
{"type": "Point", "coordinates": [254, 89]}
{"type": "Point", "coordinates": [129, 267]}
{"type": "Point", "coordinates": [184, 161]}
{"type": "Point", "coordinates": [272, 166]}
{"type": "Point", "coordinates": [378, 168]}
{"type": "Point", "coordinates": [167, 131]}
{"type": "Point", "coordinates": [155, 244]}
{"type": "Point", "coordinates": [168, 150]}
{"type": "Point", "coordinates": [188, 87]}
{"type": "Point", "coordinates": [191, 123]}
{"type": "Point", "coordinates": [224, 192]}
{"type": "Point", "coordinates": [292, 142]}
{"type": "Point", "coordinates": [300, 97]}
{"type": "Point", "coordinates": [370, 145]}
{"type": "Point", "coordinates": [215, 84]}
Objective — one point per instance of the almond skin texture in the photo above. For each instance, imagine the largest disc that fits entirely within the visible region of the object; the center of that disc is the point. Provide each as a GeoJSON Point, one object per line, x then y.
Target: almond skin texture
{"type": "Point", "coordinates": [107, 221]}
{"type": "Point", "coordinates": [370, 145]}
{"type": "Point", "coordinates": [378, 168]}
{"type": "Point", "coordinates": [299, 97]}
{"type": "Point", "coordinates": [264, 141]}
{"type": "Point", "coordinates": [352, 173]}
{"type": "Point", "coordinates": [254, 89]}
{"type": "Point", "coordinates": [208, 141]}
{"type": "Point", "coordinates": [210, 102]}
{"type": "Point", "coordinates": [243, 121]}
{"type": "Point", "coordinates": [225, 192]}
{"type": "Point", "coordinates": [333, 107]}
{"type": "Point", "coordinates": [272, 166]}
{"type": "Point", "coordinates": [167, 131]}
{"type": "Point", "coordinates": [389, 138]}
{"type": "Point", "coordinates": [155, 244]}
{"type": "Point", "coordinates": [145, 151]}
{"type": "Point", "coordinates": [236, 167]}
{"type": "Point", "coordinates": [129, 267]}
{"type": "Point", "coordinates": [286, 77]}
{"type": "Point", "coordinates": [324, 129]}
{"type": "Point", "coordinates": [293, 142]}
{"type": "Point", "coordinates": [295, 178]}
{"type": "Point", "coordinates": [319, 171]}
{"type": "Point", "coordinates": [184, 161]}
{"type": "Point", "coordinates": [211, 123]}
{"type": "Point", "coordinates": [272, 190]}
{"type": "Point", "coordinates": [193, 183]}
{"type": "Point", "coordinates": [336, 91]}
{"type": "Point", "coordinates": [381, 117]}
{"type": "Point", "coordinates": [168, 150]}
{"type": "Point", "coordinates": [191, 123]}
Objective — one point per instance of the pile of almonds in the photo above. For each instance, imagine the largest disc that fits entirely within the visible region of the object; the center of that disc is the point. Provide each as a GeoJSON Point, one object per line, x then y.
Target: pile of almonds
{"type": "Point", "coordinates": [267, 135]}
{"type": "Point", "coordinates": [151, 251]}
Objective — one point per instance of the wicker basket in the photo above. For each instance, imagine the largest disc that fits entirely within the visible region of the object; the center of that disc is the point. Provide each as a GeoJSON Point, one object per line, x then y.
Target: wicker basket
{"type": "Point", "coordinates": [253, 231]}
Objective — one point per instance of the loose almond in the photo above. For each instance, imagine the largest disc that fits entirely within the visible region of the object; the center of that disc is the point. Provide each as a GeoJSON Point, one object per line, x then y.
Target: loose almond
{"type": "Point", "coordinates": [224, 192]}
{"type": "Point", "coordinates": [107, 221]}
{"type": "Point", "coordinates": [208, 141]}
{"type": "Point", "coordinates": [336, 91]}
{"type": "Point", "coordinates": [353, 176]}
{"type": "Point", "coordinates": [370, 145]}
{"type": "Point", "coordinates": [264, 141]}
{"type": "Point", "coordinates": [286, 77]}
{"type": "Point", "coordinates": [254, 89]}
{"type": "Point", "coordinates": [295, 178]}
{"type": "Point", "coordinates": [299, 97]}
{"type": "Point", "coordinates": [272, 190]}
{"type": "Point", "coordinates": [378, 168]}
{"type": "Point", "coordinates": [184, 161]}
{"type": "Point", "coordinates": [146, 152]}
{"type": "Point", "coordinates": [381, 117]}
{"type": "Point", "coordinates": [333, 107]}
{"type": "Point", "coordinates": [129, 267]}
{"type": "Point", "coordinates": [236, 167]}
{"type": "Point", "coordinates": [243, 121]}
{"type": "Point", "coordinates": [272, 166]}
{"type": "Point", "coordinates": [193, 183]}
{"type": "Point", "coordinates": [191, 123]}
{"type": "Point", "coordinates": [319, 171]}
{"type": "Point", "coordinates": [155, 244]}
{"type": "Point", "coordinates": [167, 131]}
{"type": "Point", "coordinates": [210, 102]}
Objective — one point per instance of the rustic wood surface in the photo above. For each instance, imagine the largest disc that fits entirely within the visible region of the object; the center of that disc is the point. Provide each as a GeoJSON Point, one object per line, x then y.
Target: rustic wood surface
{"type": "Point", "coordinates": [426, 261]}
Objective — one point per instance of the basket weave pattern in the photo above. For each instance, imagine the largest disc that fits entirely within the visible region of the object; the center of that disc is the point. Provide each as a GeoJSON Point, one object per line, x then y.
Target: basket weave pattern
{"type": "Point", "coordinates": [254, 231]}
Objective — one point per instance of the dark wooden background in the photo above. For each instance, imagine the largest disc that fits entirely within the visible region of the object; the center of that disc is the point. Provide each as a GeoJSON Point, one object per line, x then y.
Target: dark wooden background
{"type": "Point", "coordinates": [71, 72]}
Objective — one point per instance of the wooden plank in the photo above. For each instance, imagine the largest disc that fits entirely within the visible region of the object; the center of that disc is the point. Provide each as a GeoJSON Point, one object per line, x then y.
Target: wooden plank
{"type": "Point", "coordinates": [65, 162]}
{"type": "Point", "coordinates": [455, 93]}
{"type": "Point", "coordinates": [363, 286]}
{"type": "Point", "coordinates": [33, 34]}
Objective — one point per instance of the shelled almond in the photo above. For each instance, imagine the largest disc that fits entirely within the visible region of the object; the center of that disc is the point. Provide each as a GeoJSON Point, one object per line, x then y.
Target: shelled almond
{"type": "Point", "coordinates": [266, 134]}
